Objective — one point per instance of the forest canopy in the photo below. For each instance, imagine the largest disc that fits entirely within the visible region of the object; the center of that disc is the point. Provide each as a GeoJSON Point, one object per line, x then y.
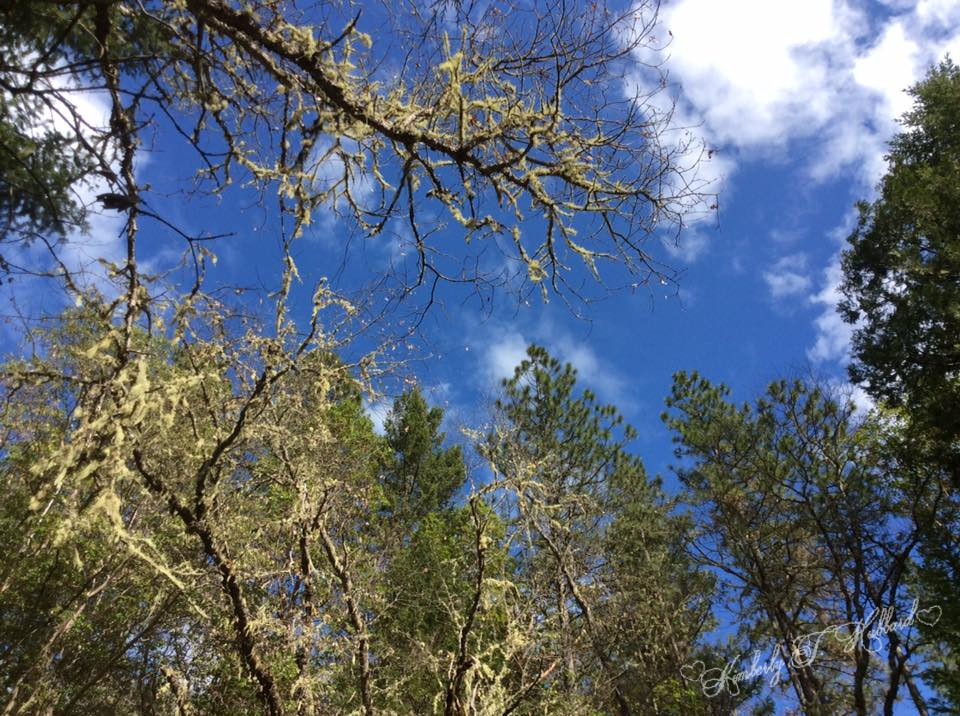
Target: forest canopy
{"type": "Point", "coordinates": [201, 516]}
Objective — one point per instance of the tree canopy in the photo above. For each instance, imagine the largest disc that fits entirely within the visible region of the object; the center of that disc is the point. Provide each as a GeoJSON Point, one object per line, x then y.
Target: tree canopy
{"type": "Point", "coordinates": [900, 272]}
{"type": "Point", "coordinates": [200, 515]}
{"type": "Point", "coordinates": [902, 291]}
{"type": "Point", "coordinates": [512, 126]}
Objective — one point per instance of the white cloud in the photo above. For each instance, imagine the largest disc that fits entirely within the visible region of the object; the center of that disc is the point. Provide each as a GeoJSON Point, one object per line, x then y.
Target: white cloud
{"type": "Point", "coordinates": [785, 237]}
{"type": "Point", "coordinates": [503, 355]}
{"type": "Point", "coordinates": [504, 352]}
{"type": "Point", "coordinates": [787, 277]}
{"type": "Point", "coordinates": [755, 77]}
{"type": "Point", "coordinates": [598, 375]}
{"type": "Point", "coordinates": [833, 333]}
{"type": "Point", "coordinates": [862, 402]}
{"type": "Point", "coordinates": [688, 246]}
{"type": "Point", "coordinates": [945, 13]}
{"type": "Point", "coordinates": [377, 411]}
{"type": "Point", "coordinates": [747, 67]}
{"type": "Point", "coordinates": [887, 68]}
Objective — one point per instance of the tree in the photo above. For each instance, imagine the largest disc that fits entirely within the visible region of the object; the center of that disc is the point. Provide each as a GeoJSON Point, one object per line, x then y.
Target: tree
{"type": "Point", "coordinates": [600, 557]}
{"type": "Point", "coordinates": [197, 498]}
{"type": "Point", "coordinates": [900, 272]}
{"type": "Point", "coordinates": [900, 288]}
{"type": "Point", "coordinates": [501, 124]}
{"type": "Point", "coordinates": [434, 619]}
{"type": "Point", "coordinates": [208, 527]}
{"type": "Point", "coordinates": [813, 531]}
{"type": "Point", "coordinates": [147, 567]}
{"type": "Point", "coordinates": [207, 556]}
{"type": "Point", "coordinates": [436, 562]}
{"type": "Point", "coordinates": [51, 151]}
{"type": "Point", "coordinates": [420, 476]}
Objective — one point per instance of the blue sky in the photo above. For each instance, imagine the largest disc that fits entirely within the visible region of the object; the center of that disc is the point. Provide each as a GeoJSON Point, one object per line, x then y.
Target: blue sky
{"type": "Point", "coordinates": [796, 100]}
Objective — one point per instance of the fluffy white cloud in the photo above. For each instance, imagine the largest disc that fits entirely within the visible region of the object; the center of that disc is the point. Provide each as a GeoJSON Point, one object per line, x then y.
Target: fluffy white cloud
{"type": "Point", "coordinates": [505, 351]}
{"type": "Point", "coordinates": [755, 76]}
{"type": "Point", "coordinates": [749, 68]}
{"type": "Point", "coordinates": [788, 277]}
{"type": "Point", "coordinates": [833, 333]}
{"type": "Point", "coordinates": [886, 69]}
{"type": "Point", "coordinates": [945, 13]}
{"type": "Point", "coordinates": [595, 373]}
{"type": "Point", "coordinates": [503, 355]}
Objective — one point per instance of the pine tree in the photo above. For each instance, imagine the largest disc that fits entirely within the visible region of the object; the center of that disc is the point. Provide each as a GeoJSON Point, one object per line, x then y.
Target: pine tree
{"type": "Point", "coordinates": [809, 525]}
{"type": "Point", "coordinates": [600, 554]}
{"type": "Point", "coordinates": [420, 476]}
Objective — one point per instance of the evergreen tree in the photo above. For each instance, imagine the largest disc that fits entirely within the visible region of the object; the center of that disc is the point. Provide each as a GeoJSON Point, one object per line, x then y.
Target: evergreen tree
{"type": "Point", "coordinates": [47, 151]}
{"type": "Point", "coordinates": [801, 513]}
{"type": "Point", "coordinates": [900, 272]}
{"type": "Point", "coordinates": [902, 291]}
{"type": "Point", "coordinates": [599, 553]}
{"type": "Point", "coordinates": [420, 475]}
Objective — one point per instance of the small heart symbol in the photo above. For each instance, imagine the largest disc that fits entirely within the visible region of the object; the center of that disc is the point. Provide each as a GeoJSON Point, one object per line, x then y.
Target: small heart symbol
{"type": "Point", "coordinates": [692, 672]}
{"type": "Point", "coordinates": [930, 615]}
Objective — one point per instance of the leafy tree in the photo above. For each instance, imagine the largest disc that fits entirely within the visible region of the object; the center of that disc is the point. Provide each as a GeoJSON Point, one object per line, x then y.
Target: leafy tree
{"type": "Point", "coordinates": [277, 465]}
{"type": "Point", "coordinates": [199, 506]}
{"type": "Point", "coordinates": [36, 175]}
{"type": "Point", "coordinates": [202, 528]}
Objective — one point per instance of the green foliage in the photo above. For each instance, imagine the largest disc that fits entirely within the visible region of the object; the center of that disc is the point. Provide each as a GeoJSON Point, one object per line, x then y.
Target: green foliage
{"type": "Point", "coordinates": [938, 579]}
{"type": "Point", "coordinates": [48, 152]}
{"type": "Point", "coordinates": [602, 556]}
{"type": "Point", "coordinates": [204, 528]}
{"type": "Point", "coordinates": [198, 515]}
{"type": "Point", "coordinates": [36, 175]}
{"type": "Point", "coordinates": [420, 476]}
{"type": "Point", "coordinates": [802, 513]}
{"type": "Point", "coordinates": [900, 283]}
{"type": "Point", "coordinates": [900, 272]}
{"type": "Point", "coordinates": [205, 519]}
{"type": "Point", "coordinates": [431, 584]}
